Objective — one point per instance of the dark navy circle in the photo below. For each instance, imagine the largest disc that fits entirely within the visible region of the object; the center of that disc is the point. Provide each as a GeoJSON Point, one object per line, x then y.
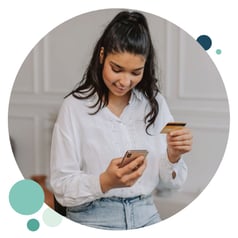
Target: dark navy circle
{"type": "Point", "coordinates": [205, 41]}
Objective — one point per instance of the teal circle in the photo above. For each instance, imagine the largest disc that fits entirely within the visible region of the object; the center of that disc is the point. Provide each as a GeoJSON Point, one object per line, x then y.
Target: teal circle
{"type": "Point", "coordinates": [205, 41]}
{"type": "Point", "coordinates": [218, 51]}
{"type": "Point", "coordinates": [51, 218]}
{"type": "Point", "coordinates": [33, 225]}
{"type": "Point", "coordinates": [26, 197]}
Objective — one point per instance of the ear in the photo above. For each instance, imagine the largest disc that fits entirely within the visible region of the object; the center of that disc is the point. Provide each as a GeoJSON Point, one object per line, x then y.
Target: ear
{"type": "Point", "coordinates": [101, 55]}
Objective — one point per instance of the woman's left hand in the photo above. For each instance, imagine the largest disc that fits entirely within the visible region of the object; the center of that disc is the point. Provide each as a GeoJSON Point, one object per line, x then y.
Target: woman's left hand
{"type": "Point", "coordinates": [179, 142]}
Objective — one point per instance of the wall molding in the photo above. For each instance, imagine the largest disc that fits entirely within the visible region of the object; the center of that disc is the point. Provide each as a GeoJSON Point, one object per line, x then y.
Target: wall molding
{"type": "Point", "coordinates": [183, 62]}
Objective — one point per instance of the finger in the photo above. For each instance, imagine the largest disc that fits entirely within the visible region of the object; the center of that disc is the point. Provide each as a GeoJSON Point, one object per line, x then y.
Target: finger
{"type": "Point", "coordinates": [133, 176]}
{"type": "Point", "coordinates": [139, 171]}
{"type": "Point", "coordinates": [182, 149]}
{"type": "Point", "coordinates": [180, 143]}
{"type": "Point", "coordinates": [182, 137]}
{"type": "Point", "coordinates": [180, 132]}
{"type": "Point", "coordinates": [133, 165]}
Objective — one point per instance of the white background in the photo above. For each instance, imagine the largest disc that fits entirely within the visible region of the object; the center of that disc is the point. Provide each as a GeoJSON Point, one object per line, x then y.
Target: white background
{"type": "Point", "coordinates": [24, 23]}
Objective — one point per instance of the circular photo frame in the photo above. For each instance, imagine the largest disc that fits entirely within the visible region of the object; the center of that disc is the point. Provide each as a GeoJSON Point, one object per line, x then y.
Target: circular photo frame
{"type": "Point", "coordinates": [189, 81]}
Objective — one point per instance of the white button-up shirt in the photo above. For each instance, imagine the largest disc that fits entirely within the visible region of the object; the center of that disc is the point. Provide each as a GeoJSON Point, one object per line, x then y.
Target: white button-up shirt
{"type": "Point", "coordinates": [83, 146]}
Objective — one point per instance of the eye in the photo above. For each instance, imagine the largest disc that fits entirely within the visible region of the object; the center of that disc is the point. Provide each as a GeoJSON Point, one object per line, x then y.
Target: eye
{"type": "Point", "coordinates": [136, 73]}
{"type": "Point", "coordinates": [116, 70]}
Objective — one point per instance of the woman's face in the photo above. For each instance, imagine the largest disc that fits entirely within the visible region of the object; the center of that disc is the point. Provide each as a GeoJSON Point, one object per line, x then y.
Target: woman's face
{"type": "Point", "coordinates": [122, 72]}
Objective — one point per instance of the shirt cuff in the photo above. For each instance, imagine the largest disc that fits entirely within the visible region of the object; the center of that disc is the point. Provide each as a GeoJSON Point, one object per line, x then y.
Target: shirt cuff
{"type": "Point", "coordinates": [172, 173]}
{"type": "Point", "coordinates": [172, 167]}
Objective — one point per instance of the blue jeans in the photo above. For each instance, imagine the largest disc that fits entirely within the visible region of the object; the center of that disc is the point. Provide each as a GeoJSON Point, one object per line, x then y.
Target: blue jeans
{"type": "Point", "coordinates": [116, 213]}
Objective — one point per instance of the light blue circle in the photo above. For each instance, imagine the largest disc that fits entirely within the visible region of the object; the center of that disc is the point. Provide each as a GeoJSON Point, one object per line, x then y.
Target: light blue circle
{"type": "Point", "coordinates": [33, 225]}
{"type": "Point", "coordinates": [26, 197]}
{"type": "Point", "coordinates": [51, 218]}
{"type": "Point", "coordinates": [218, 51]}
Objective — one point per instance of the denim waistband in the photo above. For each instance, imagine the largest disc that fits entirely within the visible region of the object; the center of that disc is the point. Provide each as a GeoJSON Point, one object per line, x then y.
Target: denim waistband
{"type": "Point", "coordinates": [126, 199]}
{"type": "Point", "coordinates": [116, 213]}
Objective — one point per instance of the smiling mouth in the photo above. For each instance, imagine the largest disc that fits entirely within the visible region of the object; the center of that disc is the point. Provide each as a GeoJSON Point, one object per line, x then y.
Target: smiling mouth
{"type": "Point", "coordinates": [119, 89]}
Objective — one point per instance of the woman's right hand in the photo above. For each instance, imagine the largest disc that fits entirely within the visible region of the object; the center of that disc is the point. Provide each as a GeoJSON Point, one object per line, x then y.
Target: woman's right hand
{"type": "Point", "coordinates": [116, 177]}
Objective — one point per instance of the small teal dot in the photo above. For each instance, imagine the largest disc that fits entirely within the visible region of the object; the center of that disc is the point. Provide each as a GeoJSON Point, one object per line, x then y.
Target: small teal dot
{"type": "Point", "coordinates": [33, 225]}
{"type": "Point", "coordinates": [205, 41]}
{"type": "Point", "coordinates": [26, 197]}
{"type": "Point", "coordinates": [218, 51]}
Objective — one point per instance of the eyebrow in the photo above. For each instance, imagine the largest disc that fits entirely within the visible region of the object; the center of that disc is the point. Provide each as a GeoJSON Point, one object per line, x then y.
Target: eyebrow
{"type": "Point", "coordinates": [120, 67]}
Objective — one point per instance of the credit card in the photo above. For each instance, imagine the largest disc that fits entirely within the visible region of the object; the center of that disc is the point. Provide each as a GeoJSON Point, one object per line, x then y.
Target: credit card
{"type": "Point", "coordinates": [172, 126]}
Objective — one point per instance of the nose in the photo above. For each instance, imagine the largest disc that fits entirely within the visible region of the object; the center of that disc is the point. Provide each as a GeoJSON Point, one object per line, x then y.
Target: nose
{"type": "Point", "coordinates": [125, 81]}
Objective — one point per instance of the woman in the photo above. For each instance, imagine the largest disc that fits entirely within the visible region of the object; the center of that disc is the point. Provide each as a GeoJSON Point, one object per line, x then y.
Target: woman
{"type": "Point", "coordinates": [116, 107]}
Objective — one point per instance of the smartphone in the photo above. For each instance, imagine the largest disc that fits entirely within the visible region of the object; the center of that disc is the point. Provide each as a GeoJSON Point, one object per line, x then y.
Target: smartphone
{"type": "Point", "coordinates": [130, 155]}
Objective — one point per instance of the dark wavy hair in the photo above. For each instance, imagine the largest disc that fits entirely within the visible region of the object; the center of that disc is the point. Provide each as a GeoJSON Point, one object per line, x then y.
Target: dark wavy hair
{"type": "Point", "coordinates": [127, 32]}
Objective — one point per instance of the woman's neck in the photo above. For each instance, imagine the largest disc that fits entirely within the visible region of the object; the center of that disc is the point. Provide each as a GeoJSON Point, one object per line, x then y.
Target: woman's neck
{"type": "Point", "coordinates": [119, 100]}
{"type": "Point", "coordinates": [117, 104]}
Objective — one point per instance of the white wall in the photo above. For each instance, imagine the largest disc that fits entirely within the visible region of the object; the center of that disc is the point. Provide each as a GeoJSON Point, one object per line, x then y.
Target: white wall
{"type": "Point", "coordinates": [190, 83]}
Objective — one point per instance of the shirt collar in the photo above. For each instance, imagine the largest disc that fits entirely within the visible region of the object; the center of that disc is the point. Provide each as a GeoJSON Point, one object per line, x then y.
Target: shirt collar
{"type": "Point", "coordinates": [135, 95]}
